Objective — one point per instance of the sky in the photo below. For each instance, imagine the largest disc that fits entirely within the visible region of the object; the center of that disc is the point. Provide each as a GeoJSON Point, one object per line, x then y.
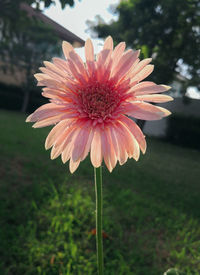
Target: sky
{"type": "Point", "coordinates": [74, 19]}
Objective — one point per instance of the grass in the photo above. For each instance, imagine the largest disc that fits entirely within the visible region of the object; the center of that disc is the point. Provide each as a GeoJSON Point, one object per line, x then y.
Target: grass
{"type": "Point", "coordinates": [151, 209]}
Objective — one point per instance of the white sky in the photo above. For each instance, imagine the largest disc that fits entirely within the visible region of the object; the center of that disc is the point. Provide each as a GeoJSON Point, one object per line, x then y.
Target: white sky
{"type": "Point", "coordinates": [192, 92]}
{"type": "Point", "coordinates": [74, 19]}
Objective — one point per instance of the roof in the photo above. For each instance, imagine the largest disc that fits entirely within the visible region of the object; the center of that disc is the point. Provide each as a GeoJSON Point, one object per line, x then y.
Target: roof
{"type": "Point", "coordinates": [63, 33]}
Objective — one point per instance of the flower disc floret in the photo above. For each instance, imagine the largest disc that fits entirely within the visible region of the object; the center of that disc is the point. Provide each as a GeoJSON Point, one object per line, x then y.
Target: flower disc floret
{"type": "Point", "coordinates": [99, 101]}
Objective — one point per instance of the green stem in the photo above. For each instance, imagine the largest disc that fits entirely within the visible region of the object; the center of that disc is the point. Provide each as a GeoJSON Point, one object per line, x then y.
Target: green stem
{"type": "Point", "coordinates": [99, 242]}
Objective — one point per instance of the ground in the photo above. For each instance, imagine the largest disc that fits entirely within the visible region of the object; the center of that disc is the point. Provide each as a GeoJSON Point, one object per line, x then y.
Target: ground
{"type": "Point", "coordinates": [151, 209]}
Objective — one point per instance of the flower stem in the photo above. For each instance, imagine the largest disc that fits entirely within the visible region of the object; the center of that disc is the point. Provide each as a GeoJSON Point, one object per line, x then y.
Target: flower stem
{"type": "Point", "coordinates": [99, 242]}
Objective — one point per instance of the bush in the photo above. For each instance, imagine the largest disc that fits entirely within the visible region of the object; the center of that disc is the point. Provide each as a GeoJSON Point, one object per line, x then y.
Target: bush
{"type": "Point", "coordinates": [12, 98]}
{"type": "Point", "coordinates": [184, 131]}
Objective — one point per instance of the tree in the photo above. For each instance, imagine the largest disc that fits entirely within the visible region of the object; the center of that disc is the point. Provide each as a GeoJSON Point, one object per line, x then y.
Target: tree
{"type": "Point", "coordinates": [35, 42]}
{"type": "Point", "coordinates": [25, 41]}
{"type": "Point", "coordinates": [166, 30]}
{"type": "Point", "coordinates": [31, 42]}
{"type": "Point", "coordinates": [10, 11]}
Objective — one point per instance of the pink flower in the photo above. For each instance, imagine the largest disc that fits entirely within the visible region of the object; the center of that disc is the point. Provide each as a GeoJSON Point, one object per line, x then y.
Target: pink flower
{"type": "Point", "coordinates": [90, 104]}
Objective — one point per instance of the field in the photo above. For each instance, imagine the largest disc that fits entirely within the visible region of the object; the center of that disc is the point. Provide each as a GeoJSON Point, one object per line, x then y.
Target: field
{"type": "Point", "coordinates": [151, 209]}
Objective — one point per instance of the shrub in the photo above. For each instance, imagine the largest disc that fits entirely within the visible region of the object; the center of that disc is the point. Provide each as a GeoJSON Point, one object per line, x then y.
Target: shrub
{"type": "Point", "coordinates": [184, 131]}
{"type": "Point", "coordinates": [12, 98]}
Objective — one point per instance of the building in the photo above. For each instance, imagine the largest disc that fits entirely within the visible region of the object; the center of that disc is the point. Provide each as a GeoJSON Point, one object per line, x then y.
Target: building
{"type": "Point", "coordinates": [158, 128]}
{"type": "Point", "coordinates": [63, 33]}
{"type": "Point", "coordinates": [16, 78]}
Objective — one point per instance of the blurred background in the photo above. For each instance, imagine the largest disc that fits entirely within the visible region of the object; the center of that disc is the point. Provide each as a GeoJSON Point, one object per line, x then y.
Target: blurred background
{"type": "Point", "coordinates": [151, 207]}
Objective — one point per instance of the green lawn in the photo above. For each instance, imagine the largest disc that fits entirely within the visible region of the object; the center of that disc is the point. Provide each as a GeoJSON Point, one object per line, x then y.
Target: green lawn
{"type": "Point", "coordinates": [151, 209]}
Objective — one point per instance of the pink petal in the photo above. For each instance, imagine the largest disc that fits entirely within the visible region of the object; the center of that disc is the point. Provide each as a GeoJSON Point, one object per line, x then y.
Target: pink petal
{"type": "Point", "coordinates": [135, 131]}
{"type": "Point", "coordinates": [89, 50]}
{"type": "Point", "coordinates": [63, 139]}
{"type": "Point", "coordinates": [49, 111]}
{"type": "Point", "coordinates": [107, 150]}
{"type": "Point", "coordinates": [55, 94]}
{"type": "Point", "coordinates": [73, 165]}
{"type": "Point", "coordinates": [121, 147]}
{"type": "Point", "coordinates": [148, 87]}
{"type": "Point", "coordinates": [146, 71]}
{"type": "Point", "coordinates": [117, 53]}
{"type": "Point", "coordinates": [55, 133]}
{"type": "Point", "coordinates": [78, 62]}
{"type": "Point", "coordinates": [96, 149]}
{"type": "Point", "coordinates": [45, 107]}
{"type": "Point", "coordinates": [80, 143]}
{"type": "Point", "coordinates": [52, 120]}
{"type": "Point", "coordinates": [51, 74]}
{"type": "Point", "coordinates": [129, 74]}
{"type": "Point", "coordinates": [103, 61]}
{"type": "Point", "coordinates": [68, 145]}
{"type": "Point", "coordinates": [67, 48]}
{"type": "Point", "coordinates": [114, 141]}
{"type": "Point", "coordinates": [65, 143]}
{"type": "Point", "coordinates": [89, 55]}
{"type": "Point", "coordinates": [40, 77]}
{"type": "Point", "coordinates": [138, 67]}
{"type": "Point", "coordinates": [155, 98]}
{"type": "Point", "coordinates": [131, 145]}
{"type": "Point", "coordinates": [54, 69]}
{"type": "Point", "coordinates": [88, 145]}
{"type": "Point", "coordinates": [75, 72]}
{"type": "Point", "coordinates": [112, 154]}
{"type": "Point", "coordinates": [66, 153]}
{"type": "Point", "coordinates": [145, 111]}
{"type": "Point", "coordinates": [61, 64]}
{"type": "Point", "coordinates": [51, 83]}
{"type": "Point", "coordinates": [47, 122]}
{"type": "Point", "coordinates": [103, 57]}
{"type": "Point", "coordinates": [125, 63]}
{"type": "Point", "coordinates": [108, 44]}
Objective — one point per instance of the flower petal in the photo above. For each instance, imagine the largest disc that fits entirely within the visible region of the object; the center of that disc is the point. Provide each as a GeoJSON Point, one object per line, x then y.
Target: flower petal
{"type": "Point", "coordinates": [67, 48]}
{"type": "Point", "coordinates": [122, 154]}
{"type": "Point", "coordinates": [61, 64]}
{"type": "Point", "coordinates": [124, 64]}
{"type": "Point", "coordinates": [155, 98]}
{"type": "Point", "coordinates": [117, 53]}
{"type": "Point", "coordinates": [73, 165]}
{"type": "Point", "coordinates": [80, 143]}
{"type": "Point", "coordinates": [55, 133]}
{"type": "Point", "coordinates": [146, 71]}
{"type": "Point", "coordinates": [88, 145]}
{"type": "Point", "coordinates": [148, 87]}
{"type": "Point", "coordinates": [138, 67]}
{"type": "Point", "coordinates": [108, 44]}
{"type": "Point", "coordinates": [145, 111]}
{"type": "Point", "coordinates": [48, 110]}
{"type": "Point", "coordinates": [89, 50]}
{"type": "Point", "coordinates": [54, 69]}
{"type": "Point", "coordinates": [96, 149]}
{"type": "Point", "coordinates": [47, 122]}
{"type": "Point", "coordinates": [107, 150]}
{"type": "Point", "coordinates": [131, 145]}
{"type": "Point", "coordinates": [135, 130]}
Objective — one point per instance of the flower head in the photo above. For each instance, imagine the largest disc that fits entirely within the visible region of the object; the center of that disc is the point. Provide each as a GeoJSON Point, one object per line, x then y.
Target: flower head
{"type": "Point", "coordinates": [90, 103]}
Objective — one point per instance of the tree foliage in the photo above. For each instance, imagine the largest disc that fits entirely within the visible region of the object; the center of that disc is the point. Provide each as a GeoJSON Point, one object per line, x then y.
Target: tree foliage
{"type": "Point", "coordinates": [10, 11]}
{"type": "Point", "coordinates": [166, 30]}
{"type": "Point", "coordinates": [25, 42]}
{"type": "Point", "coordinates": [24, 53]}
